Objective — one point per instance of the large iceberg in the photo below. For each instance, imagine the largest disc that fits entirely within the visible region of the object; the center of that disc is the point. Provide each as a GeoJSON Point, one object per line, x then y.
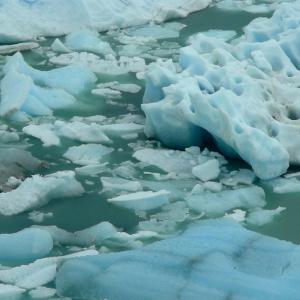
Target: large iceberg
{"type": "Point", "coordinates": [28, 19]}
{"type": "Point", "coordinates": [216, 259]}
{"type": "Point", "coordinates": [242, 95]}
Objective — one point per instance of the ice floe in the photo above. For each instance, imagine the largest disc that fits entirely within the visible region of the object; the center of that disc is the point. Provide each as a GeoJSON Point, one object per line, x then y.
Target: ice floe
{"type": "Point", "coordinates": [88, 154]}
{"type": "Point", "coordinates": [37, 191]}
{"type": "Point", "coordinates": [142, 201]}
{"type": "Point", "coordinates": [26, 91]}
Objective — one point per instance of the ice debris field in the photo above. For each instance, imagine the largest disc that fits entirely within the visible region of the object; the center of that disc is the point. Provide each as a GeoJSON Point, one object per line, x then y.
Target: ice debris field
{"type": "Point", "coordinates": [149, 149]}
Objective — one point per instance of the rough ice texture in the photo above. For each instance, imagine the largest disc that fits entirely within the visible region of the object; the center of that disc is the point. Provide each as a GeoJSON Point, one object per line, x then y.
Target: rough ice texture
{"type": "Point", "coordinates": [24, 246]}
{"type": "Point", "coordinates": [244, 94]}
{"type": "Point", "coordinates": [37, 191]}
{"type": "Point", "coordinates": [26, 91]}
{"type": "Point", "coordinates": [211, 260]}
{"type": "Point", "coordinates": [25, 20]}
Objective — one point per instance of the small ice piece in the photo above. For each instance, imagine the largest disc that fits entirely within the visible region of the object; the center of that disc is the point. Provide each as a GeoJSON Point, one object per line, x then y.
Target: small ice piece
{"type": "Point", "coordinates": [91, 170]}
{"type": "Point", "coordinates": [216, 204]}
{"type": "Point", "coordinates": [88, 41]}
{"type": "Point", "coordinates": [109, 66]}
{"type": "Point", "coordinates": [38, 216]}
{"type": "Point", "coordinates": [44, 132]}
{"type": "Point", "coordinates": [13, 182]}
{"type": "Point", "coordinates": [178, 162]}
{"type": "Point", "coordinates": [116, 130]}
{"type": "Point", "coordinates": [37, 191]}
{"type": "Point", "coordinates": [58, 46]}
{"type": "Point", "coordinates": [10, 292]}
{"type": "Point", "coordinates": [207, 171]}
{"type": "Point", "coordinates": [290, 175]}
{"type": "Point", "coordinates": [142, 201]}
{"type": "Point", "coordinates": [284, 185]}
{"type": "Point", "coordinates": [80, 131]}
{"type": "Point", "coordinates": [38, 273]}
{"type": "Point", "coordinates": [42, 293]}
{"type": "Point", "coordinates": [213, 186]}
{"type": "Point", "coordinates": [8, 49]}
{"type": "Point", "coordinates": [107, 93]}
{"type": "Point", "coordinates": [165, 31]}
{"type": "Point", "coordinates": [237, 215]}
{"type": "Point", "coordinates": [225, 35]}
{"type": "Point", "coordinates": [24, 246]}
{"type": "Point", "coordinates": [87, 154]}
{"type": "Point", "coordinates": [115, 184]}
{"type": "Point", "coordinates": [127, 87]}
{"type": "Point", "coordinates": [261, 216]}
{"type": "Point", "coordinates": [243, 176]}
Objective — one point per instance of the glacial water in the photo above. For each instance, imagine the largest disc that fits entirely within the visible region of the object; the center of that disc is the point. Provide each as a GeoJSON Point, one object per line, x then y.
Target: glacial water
{"type": "Point", "coordinates": [77, 213]}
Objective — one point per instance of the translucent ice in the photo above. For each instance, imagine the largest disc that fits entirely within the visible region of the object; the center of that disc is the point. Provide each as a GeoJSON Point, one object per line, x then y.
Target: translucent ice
{"type": "Point", "coordinates": [24, 246]}
{"type": "Point", "coordinates": [211, 260]}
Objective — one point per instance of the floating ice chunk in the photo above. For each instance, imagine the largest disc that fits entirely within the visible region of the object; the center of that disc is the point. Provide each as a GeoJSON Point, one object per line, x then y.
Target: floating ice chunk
{"type": "Point", "coordinates": [237, 215]}
{"type": "Point", "coordinates": [8, 49]}
{"type": "Point", "coordinates": [209, 170]}
{"type": "Point", "coordinates": [142, 201]}
{"type": "Point", "coordinates": [213, 186]}
{"type": "Point", "coordinates": [24, 246]}
{"type": "Point", "coordinates": [13, 182]}
{"type": "Point", "coordinates": [284, 185]}
{"type": "Point", "coordinates": [115, 130]}
{"type": "Point", "coordinates": [44, 132]}
{"type": "Point", "coordinates": [216, 204]}
{"type": "Point", "coordinates": [88, 41]}
{"type": "Point", "coordinates": [25, 20]}
{"type": "Point", "coordinates": [10, 292]}
{"type": "Point", "coordinates": [220, 34]}
{"type": "Point", "coordinates": [38, 273]}
{"type": "Point", "coordinates": [115, 184]}
{"type": "Point", "coordinates": [169, 160]}
{"type": "Point", "coordinates": [79, 131]}
{"type": "Point", "coordinates": [91, 170]}
{"type": "Point", "coordinates": [110, 65]}
{"type": "Point", "coordinates": [127, 87]}
{"type": "Point", "coordinates": [242, 176]}
{"type": "Point", "coordinates": [38, 216]}
{"type": "Point", "coordinates": [42, 293]}
{"type": "Point", "coordinates": [87, 154]}
{"type": "Point", "coordinates": [188, 265]}
{"type": "Point", "coordinates": [107, 92]}
{"type": "Point", "coordinates": [39, 92]}
{"type": "Point", "coordinates": [165, 31]}
{"type": "Point", "coordinates": [102, 234]}
{"type": "Point", "coordinates": [261, 217]}
{"type": "Point", "coordinates": [37, 191]}
{"type": "Point", "coordinates": [58, 46]}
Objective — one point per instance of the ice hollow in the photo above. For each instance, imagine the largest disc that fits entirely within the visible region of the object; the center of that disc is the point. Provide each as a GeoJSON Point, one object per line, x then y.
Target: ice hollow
{"type": "Point", "coordinates": [242, 95]}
